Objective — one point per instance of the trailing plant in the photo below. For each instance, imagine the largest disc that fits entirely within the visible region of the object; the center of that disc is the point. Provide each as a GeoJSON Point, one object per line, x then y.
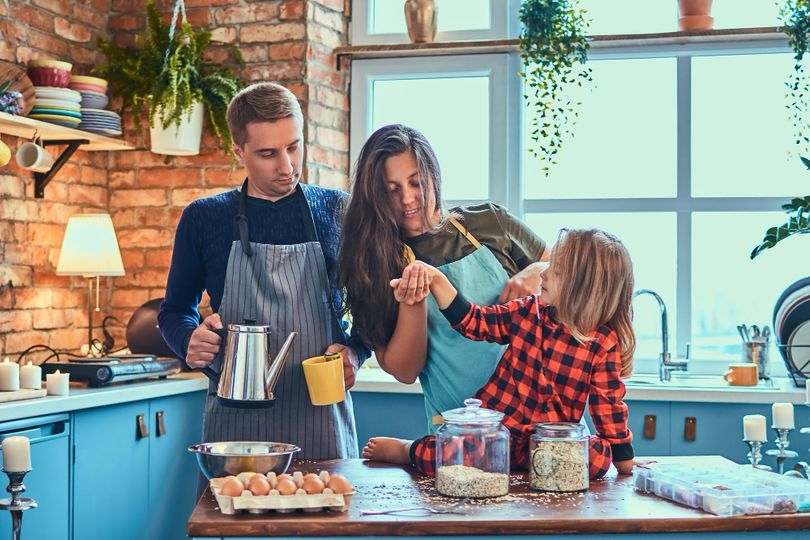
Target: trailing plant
{"type": "Point", "coordinates": [167, 76]}
{"type": "Point", "coordinates": [554, 49]}
{"type": "Point", "coordinates": [795, 18]}
{"type": "Point", "coordinates": [798, 222]}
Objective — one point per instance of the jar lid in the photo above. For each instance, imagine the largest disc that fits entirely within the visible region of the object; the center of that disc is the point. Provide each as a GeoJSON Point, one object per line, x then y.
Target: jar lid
{"type": "Point", "coordinates": [472, 413]}
{"type": "Point", "coordinates": [560, 430]}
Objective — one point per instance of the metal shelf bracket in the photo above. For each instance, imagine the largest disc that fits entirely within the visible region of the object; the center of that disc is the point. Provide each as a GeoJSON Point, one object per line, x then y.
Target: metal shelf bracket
{"type": "Point", "coordinates": [42, 179]}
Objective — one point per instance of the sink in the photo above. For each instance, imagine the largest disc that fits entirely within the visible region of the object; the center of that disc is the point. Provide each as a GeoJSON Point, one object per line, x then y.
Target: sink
{"type": "Point", "coordinates": [713, 382]}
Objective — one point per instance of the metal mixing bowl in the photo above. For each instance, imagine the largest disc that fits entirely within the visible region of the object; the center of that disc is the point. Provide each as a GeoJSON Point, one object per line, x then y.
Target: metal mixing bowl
{"type": "Point", "coordinates": [219, 459]}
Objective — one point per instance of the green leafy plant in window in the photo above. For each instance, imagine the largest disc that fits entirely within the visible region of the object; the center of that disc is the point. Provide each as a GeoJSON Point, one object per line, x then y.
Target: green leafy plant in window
{"type": "Point", "coordinates": [795, 16]}
{"type": "Point", "coordinates": [798, 222]}
{"type": "Point", "coordinates": [554, 49]}
{"type": "Point", "coordinates": [167, 76]}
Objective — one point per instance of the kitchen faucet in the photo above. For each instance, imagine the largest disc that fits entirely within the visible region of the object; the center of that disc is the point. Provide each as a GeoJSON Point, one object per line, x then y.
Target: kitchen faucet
{"type": "Point", "coordinates": [665, 364]}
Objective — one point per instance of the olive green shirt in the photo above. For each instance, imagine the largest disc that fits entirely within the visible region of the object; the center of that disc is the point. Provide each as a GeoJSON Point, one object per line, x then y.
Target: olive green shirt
{"type": "Point", "coordinates": [510, 240]}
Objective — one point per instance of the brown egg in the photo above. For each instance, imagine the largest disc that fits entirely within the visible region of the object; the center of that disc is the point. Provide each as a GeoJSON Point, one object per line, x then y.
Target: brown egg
{"type": "Point", "coordinates": [232, 487]}
{"type": "Point", "coordinates": [310, 475]}
{"type": "Point", "coordinates": [284, 476]}
{"type": "Point", "coordinates": [339, 484]}
{"type": "Point", "coordinates": [312, 484]}
{"type": "Point", "coordinates": [244, 477]}
{"type": "Point", "coordinates": [286, 486]}
{"type": "Point", "coordinates": [258, 485]}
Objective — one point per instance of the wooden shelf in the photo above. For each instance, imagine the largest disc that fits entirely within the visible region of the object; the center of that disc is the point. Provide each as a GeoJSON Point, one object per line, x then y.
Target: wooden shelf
{"type": "Point", "coordinates": [403, 50]}
{"type": "Point", "coordinates": [24, 127]}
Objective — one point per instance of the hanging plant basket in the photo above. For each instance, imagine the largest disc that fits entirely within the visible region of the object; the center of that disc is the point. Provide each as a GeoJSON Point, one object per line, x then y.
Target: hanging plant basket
{"type": "Point", "coordinates": [181, 139]}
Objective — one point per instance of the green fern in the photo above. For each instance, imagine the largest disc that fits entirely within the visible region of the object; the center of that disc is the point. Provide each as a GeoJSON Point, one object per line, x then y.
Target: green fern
{"type": "Point", "coordinates": [798, 210]}
{"type": "Point", "coordinates": [167, 84]}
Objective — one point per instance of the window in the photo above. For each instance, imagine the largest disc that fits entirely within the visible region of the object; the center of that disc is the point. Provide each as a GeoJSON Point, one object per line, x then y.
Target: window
{"type": "Point", "coordinates": [681, 151]}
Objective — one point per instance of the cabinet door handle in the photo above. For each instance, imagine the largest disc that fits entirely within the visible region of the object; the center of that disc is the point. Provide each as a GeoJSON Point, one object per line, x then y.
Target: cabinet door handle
{"type": "Point", "coordinates": [161, 426]}
{"type": "Point", "coordinates": [650, 421]}
{"type": "Point", "coordinates": [142, 430]}
{"type": "Point", "coordinates": [690, 429]}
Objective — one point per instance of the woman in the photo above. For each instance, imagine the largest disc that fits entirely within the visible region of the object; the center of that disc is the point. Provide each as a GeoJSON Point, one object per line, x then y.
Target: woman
{"type": "Point", "coordinates": [395, 215]}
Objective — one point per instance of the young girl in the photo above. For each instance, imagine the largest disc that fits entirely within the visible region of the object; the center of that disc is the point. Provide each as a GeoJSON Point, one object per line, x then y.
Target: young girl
{"type": "Point", "coordinates": [566, 347]}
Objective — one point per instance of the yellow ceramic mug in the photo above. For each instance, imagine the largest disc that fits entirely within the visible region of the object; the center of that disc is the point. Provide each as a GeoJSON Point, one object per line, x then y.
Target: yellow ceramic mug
{"type": "Point", "coordinates": [324, 375]}
{"type": "Point", "coordinates": [5, 154]}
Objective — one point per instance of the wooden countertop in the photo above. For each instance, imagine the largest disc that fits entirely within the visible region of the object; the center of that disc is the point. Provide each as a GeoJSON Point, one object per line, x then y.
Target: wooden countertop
{"type": "Point", "coordinates": [610, 506]}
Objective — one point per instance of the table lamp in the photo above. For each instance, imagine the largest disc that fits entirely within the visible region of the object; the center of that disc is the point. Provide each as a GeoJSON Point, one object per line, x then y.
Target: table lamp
{"type": "Point", "coordinates": [90, 249]}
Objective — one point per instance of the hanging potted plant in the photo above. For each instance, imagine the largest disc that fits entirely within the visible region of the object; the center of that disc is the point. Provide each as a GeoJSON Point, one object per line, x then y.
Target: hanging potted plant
{"type": "Point", "coordinates": [166, 74]}
{"type": "Point", "coordinates": [798, 221]}
{"type": "Point", "coordinates": [554, 50]}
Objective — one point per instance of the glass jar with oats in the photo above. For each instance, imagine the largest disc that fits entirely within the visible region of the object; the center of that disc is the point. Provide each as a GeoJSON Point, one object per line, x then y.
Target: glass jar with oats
{"type": "Point", "coordinates": [558, 457]}
{"type": "Point", "coordinates": [472, 453]}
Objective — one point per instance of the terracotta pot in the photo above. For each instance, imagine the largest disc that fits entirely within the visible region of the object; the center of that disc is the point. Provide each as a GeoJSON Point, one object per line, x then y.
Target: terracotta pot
{"type": "Point", "coordinates": [690, 8]}
{"type": "Point", "coordinates": [691, 23]}
{"type": "Point", "coordinates": [420, 17]}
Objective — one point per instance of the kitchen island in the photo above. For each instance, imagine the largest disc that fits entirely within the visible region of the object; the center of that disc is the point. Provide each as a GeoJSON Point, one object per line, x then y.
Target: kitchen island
{"type": "Point", "coordinates": [611, 507]}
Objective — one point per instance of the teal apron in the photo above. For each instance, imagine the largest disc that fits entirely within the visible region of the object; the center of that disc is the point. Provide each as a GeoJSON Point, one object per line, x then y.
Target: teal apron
{"type": "Point", "coordinates": [457, 367]}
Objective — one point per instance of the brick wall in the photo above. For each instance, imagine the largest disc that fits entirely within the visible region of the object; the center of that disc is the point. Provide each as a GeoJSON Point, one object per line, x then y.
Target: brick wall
{"type": "Point", "coordinates": [289, 41]}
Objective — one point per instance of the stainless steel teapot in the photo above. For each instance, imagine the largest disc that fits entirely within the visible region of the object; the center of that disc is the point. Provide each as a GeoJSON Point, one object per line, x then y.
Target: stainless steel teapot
{"type": "Point", "coordinates": [249, 371]}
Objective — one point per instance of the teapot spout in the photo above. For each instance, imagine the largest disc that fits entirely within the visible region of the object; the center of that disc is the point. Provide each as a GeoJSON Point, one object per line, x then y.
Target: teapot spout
{"type": "Point", "coordinates": [277, 365]}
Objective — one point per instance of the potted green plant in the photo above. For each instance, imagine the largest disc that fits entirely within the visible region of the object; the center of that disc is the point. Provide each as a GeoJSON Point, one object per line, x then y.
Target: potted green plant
{"type": "Point", "coordinates": [798, 222]}
{"type": "Point", "coordinates": [169, 77]}
{"type": "Point", "coordinates": [554, 50]}
{"type": "Point", "coordinates": [795, 18]}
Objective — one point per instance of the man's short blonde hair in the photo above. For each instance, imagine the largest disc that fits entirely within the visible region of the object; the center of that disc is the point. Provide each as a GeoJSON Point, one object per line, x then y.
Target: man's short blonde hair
{"type": "Point", "coordinates": [260, 102]}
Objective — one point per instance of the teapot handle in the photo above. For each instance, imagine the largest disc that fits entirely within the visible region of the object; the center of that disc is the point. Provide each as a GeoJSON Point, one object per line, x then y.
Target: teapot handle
{"type": "Point", "coordinates": [210, 372]}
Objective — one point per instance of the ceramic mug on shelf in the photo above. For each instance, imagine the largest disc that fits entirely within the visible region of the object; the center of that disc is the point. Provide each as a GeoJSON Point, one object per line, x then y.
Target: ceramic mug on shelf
{"type": "Point", "coordinates": [34, 157]}
{"type": "Point", "coordinates": [742, 374]}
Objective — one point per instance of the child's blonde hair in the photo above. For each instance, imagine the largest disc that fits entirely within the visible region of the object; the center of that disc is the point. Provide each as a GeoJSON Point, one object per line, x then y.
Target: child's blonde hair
{"type": "Point", "coordinates": [595, 287]}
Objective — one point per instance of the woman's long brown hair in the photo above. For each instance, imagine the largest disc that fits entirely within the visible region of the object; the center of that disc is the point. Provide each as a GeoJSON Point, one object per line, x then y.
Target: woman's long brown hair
{"type": "Point", "coordinates": [595, 287]}
{"type": "Point", "coordinates": [372, 248]}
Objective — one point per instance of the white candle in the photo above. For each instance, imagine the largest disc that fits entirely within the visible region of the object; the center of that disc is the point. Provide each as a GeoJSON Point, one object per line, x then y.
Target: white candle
{"type": "Point", "coordinates": [783, 415]}
{"type": "Point", "coordinates": [58, 384]}
{"type": "Point", "coordinates": [754, 428]}
{"type": "Point", "coordinates": [31, 376]}
{"type": "Point", "coordinates": [16, 454]}
{"type": "Point", "coordinates": [9, 375]}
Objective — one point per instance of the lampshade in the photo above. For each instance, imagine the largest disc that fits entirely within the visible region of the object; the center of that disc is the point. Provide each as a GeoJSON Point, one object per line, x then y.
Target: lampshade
{"type": "Point", "coordinates": [90, 247]}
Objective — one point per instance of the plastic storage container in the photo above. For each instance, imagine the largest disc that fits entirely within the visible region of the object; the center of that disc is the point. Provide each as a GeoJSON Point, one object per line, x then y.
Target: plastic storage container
{"type": "Point", "coordinates": [725, 491]}
{"type": "Point", "coordinates": [472, 453]}
{"type": "Point", "coordinates": [558, 457]}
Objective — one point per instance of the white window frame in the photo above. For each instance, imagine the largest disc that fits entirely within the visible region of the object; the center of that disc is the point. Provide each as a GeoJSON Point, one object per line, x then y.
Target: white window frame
{"type": "Point", "coordinates": [508, 149]}
{"type": "Point", "coordinates": [503, 24]}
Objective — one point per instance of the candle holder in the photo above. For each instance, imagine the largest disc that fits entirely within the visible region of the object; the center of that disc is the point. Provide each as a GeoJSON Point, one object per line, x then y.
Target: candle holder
{"type": "Point", "coordinates": [755, 455]}
{"type": "Point", "coordinates": [782, 453]}
{"type": "Point", "coordinates": [16, 504]}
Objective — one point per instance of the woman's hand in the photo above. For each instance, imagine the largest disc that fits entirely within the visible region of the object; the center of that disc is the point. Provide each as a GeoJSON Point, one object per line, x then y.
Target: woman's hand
{"type": "Point", "coordinates": [414, 285]}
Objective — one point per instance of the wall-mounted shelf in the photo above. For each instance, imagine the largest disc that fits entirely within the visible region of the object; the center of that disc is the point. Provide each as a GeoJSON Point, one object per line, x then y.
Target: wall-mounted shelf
{"type": "Point", "coordinates": [606, 42]}
{"type": "Point", "coordinates": [52, 134]}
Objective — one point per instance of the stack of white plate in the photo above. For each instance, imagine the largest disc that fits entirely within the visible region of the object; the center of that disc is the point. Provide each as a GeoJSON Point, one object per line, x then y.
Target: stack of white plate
{"type": "Point", "coordinates": [57, 106]}
{"type": "Point", "coordinates": [791, 323]}
{"type": "Point", "coordinates": [100, 121]}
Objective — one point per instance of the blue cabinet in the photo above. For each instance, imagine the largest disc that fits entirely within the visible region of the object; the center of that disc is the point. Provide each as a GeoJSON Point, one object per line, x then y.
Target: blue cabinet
{"type": "Point", "coordinates": [133, 476]}
{"type": "Point", "coordinates": [48, 482]}
{"type": "Point", "coordinates": [173, 472]}
{"type": "Point", "coordinates": [656, 441]}
{"type": "Point", "coordinates": [110, 472]}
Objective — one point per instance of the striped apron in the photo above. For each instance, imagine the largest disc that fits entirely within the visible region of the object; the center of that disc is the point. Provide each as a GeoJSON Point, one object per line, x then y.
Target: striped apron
{"type": "Point", "coordinates": [285, 287]}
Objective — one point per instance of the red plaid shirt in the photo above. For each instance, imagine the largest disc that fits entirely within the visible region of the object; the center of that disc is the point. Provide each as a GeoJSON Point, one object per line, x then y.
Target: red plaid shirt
{"type": "Point", "coordinates": [545, 375]}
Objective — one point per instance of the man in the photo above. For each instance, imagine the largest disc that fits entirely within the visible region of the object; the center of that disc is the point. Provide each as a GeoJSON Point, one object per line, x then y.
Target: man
{"type": "Point", "coordinates": [266, 252]}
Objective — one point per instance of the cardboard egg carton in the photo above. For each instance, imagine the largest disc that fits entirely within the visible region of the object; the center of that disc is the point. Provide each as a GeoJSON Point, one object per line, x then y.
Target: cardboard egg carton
{"type": "Point", "coordinates": [275, 502]}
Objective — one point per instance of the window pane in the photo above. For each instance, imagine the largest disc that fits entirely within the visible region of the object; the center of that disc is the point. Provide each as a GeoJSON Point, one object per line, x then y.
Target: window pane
{"type": "Point", "coordinates": [388, 16]}
{"type": "Point", "coordinates": [624, 144]}
{"type": "Point", "coordinates": [631, 16]}
{"type": "Point", "coordinates": [650, 239]}
{"type": "Point", "coordinates": [730, 289]}
{"type": "Point", "coordinates": [741, 133]}
{"type": "Point", "coordinates": [440, 108]}
{"type": "Point", "coordinates": [736, 14]}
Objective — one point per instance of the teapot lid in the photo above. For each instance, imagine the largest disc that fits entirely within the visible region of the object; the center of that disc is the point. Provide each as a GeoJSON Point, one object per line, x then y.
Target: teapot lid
{"type": "Point", "coordinates": [472, 413]}
{"type": "Point", "coordinates": [249, 328]}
